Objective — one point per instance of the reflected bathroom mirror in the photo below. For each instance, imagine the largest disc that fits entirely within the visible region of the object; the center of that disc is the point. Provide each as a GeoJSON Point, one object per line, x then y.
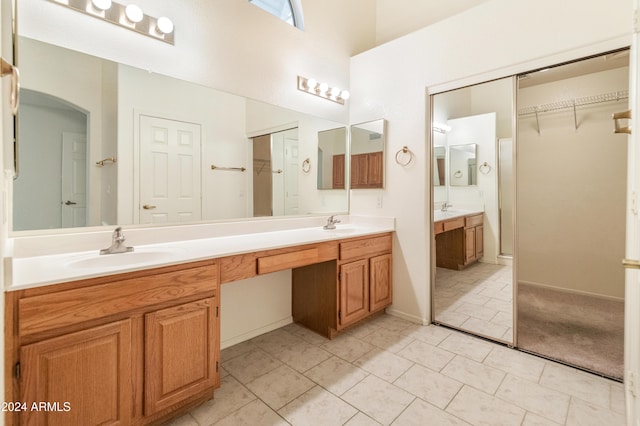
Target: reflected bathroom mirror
{"type": "Point", "coordinates": [462, 165]}
{"type": "Point", "coordinates": [367, 154]}
{"type": "Point", "coordinates": [97, 139]}
{"type": "Point", "coordinates": [472, 278]}
{"type": "Point", "coordinates": [332, 150]}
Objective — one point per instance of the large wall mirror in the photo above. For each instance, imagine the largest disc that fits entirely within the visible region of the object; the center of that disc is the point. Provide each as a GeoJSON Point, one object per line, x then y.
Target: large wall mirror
{"type": "Point", "coordinates": [367, 154]}
{"type": "Point", "coordinates": [103, 143]}
{"type": "Point", "coordinates": [472, 285]}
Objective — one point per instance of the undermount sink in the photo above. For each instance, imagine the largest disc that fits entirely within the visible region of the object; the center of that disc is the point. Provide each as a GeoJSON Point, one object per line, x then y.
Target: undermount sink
{"type": "Point", "coordinates": [343, 229]}
{"type": "Point", "coordinates": [136, 257]}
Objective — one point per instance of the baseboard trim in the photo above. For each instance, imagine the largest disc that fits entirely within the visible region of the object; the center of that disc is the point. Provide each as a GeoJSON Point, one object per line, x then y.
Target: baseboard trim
{"type": "Point", "coordinates": [572, 291]}
{"type": "Point", "coordinates": [255, 333]}
{"type": "Point", "coordinates": [408, 317]}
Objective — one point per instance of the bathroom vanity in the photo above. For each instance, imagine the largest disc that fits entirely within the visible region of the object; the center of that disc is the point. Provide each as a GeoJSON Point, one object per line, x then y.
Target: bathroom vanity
{"type": "Point", "coordinates": [142, 346]}
{"type": "Point", "coordinates": [459, 238]}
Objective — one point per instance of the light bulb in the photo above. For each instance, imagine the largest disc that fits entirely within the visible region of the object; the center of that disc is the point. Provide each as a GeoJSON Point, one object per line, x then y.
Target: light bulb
{"type": "Point", "coordinates": [312, 83]}
{"type": "Point", "coordinates": [334, 92]}
{"type": "Point", "coordinates": [101, 4]}
{"type": "Point", "coordinates": [323, 88]}
{"type": "Point", "coordinates": [134, 13]}
{"type": "Point", "coordinates": [345, 94]}
{"type": "Point", "coordinates": [164, 24]}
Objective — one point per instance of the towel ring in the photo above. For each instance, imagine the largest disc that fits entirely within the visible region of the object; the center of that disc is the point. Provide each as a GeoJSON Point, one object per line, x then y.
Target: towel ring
{"type": "Point", "coordinates": [306, 166]}
{"type": "Point", "coordinates": [404, 156]}
{"type": "Point", "coordinates": [484, 168]}
{"type": "Point", "coordinates": [457, 174]}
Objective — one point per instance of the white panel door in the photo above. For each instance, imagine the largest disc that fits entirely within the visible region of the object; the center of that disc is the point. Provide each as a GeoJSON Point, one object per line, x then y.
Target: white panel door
{"type": "Point", "coordinates": [170, 177]}
{"type": "Point", "coordinates": [291, 196]}
{"type": "Point", "coordinates": [74, 180]}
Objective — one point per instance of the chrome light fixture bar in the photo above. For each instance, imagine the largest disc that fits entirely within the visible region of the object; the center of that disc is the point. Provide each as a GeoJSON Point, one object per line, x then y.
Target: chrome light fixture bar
{"type": "Point", "coordinates": [130, 17]}
{"type": "Point", "coordinates": [311, 86]}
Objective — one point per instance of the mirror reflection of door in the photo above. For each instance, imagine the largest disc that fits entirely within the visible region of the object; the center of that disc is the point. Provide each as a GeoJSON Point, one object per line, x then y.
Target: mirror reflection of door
{"type": "Point", "coordinates": [275, 174]}
{"type": "Point", "coordinates": [169, 170]}
{"type": "Point", "coordinates": [51, 189]}
{"type": "Point", "coordinates": [472, 285]}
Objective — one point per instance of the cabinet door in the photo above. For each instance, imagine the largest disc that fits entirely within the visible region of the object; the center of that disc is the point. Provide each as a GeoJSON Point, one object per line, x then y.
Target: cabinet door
{"type": "Point", "coordinates": [180, 353]}
{"type": "Point", "coordinates": [85, 375]}
{"type": "Point", "coordinates": [338, 171]}
{"type": "Point", "coordinates": [375, 172]}
{"type": "Point", "coordinates": [359, 171]}
{"type": "Point", "coordinates": [354, 292]}
{"type": "Point", "coordinates": [479, 241]}
{"type": "Point", "coordinates": [380, 282]}
{"type": "Point", "coordinates": [469, 245]}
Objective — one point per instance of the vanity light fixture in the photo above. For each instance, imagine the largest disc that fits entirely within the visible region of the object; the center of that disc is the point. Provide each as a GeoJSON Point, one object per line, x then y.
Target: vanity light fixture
{"type": "Point", "coordinates": [311, 86]}
{"type": "Point", "coordinates": [441, 128]}
{"type": "Point", "coordinates": [131, 17]}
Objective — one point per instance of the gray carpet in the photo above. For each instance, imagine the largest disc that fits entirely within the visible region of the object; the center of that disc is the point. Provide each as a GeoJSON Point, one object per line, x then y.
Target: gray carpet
{"type": "Point", "coordinates": [580, 330]}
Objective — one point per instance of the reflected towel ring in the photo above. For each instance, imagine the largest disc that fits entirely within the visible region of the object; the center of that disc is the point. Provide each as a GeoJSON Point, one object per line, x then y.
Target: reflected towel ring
{"type": "Point", "coordinates": [484, 168]}
{"type": "Point", "coordinates": [405, 156]}
{"type": "Point", "coordinates": [306, 166]}
{"type": "Point", "coordinates": [457, 174]}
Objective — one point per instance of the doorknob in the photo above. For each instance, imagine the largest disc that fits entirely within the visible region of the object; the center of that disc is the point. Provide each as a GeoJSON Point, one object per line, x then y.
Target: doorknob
{"type": "Point", "coordinates": [148, 207]}
{"type": "Point", "coordinates": [624, 115]}
{"type": "Point", "coordinates": [69, 203]}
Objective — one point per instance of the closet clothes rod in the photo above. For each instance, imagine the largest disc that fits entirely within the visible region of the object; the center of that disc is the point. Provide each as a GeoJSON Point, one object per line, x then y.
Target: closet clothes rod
{"type": "Point", "coordinates": [573, 104]}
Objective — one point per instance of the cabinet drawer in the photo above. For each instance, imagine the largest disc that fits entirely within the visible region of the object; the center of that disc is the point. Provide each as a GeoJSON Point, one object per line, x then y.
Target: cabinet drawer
{"type": "Point", "coordinates": [473, 220]}
{"type": "Point", "coordinates": [294, 259]}
{"type": "Point", "coordinates": [365, 247]}
{"type": "Point", "coordinates": [453, 224]}
{"type": "Point", "coordinates": [122, 296]}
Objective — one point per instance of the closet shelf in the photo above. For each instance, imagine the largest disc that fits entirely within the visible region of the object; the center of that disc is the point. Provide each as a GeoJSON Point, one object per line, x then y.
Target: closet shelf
{"type": "Point", "coordinates": [571, 103]}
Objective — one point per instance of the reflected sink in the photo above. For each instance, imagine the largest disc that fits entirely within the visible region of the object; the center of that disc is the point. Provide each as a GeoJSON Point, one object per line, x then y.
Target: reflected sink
{"type": "Point", "coordinates": [439, 215]}
{"type": "Point", "coordinates": [136, 257]}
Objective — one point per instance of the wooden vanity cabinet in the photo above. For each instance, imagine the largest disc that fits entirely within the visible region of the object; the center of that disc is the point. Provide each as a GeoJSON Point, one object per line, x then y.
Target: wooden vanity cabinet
{"type": "Point", "coordinates": [459, 241]}
{"type": "Point", "coordinates": [127, 349]}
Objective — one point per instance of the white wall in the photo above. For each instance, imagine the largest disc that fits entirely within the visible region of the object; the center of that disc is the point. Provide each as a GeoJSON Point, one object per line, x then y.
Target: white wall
{"type": "Point", "coordinates": [495, 39]}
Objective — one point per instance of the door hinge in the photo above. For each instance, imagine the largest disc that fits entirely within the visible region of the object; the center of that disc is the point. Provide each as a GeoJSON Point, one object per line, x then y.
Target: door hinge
{"type": "Point", "coordinates": [339, 315]}
{"type": "Point", "coordinates": [17, 370]}
{"type": "Point", "coordinates": [631, 383]}
{"type": "Point", "coordinates": [339, 276]}
{"type": "Point", "coordinates": [217, 365]}
{"type": "Point", "coordinates": [217, 311]}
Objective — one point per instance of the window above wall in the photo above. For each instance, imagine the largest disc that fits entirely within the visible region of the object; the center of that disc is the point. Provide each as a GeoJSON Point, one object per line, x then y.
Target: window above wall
{"type": "Point", "coordinates": [290, 11]}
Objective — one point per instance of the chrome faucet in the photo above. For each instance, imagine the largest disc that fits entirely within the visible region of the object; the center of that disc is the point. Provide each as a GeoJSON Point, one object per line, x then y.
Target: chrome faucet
{"type": "Point", "coordinates": [331, 223]}
{"type": "Point", "coordinates": [117, 243]}
{"type": "Point", "coordinates": [445, 206]}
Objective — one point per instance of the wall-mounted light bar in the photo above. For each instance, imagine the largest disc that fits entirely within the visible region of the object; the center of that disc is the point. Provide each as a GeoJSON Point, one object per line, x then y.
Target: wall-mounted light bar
{"type": "Point", "coordinates": [312, 86]}
{"type": "Point", "coordinates": [441, 128]}
{"type": "Point", "coordinates": [130, 17]}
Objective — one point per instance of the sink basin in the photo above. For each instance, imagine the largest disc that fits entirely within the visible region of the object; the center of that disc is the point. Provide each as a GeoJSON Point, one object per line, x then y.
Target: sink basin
{"type": "Point", "coordinates": [343, 229]}
{"type": "Point", "coordinates": [451, 213]}
{"type": "Point", "coordinates": [136, 257]}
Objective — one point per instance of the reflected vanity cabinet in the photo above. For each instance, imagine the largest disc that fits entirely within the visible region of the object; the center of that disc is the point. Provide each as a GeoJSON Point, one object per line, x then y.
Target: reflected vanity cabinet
{"type": "Point", "coordinates": [459, 241]}
{"type": "Point", "coordinates": [366, 170]}
{"type": "Point", "coordinates": [134, 348]}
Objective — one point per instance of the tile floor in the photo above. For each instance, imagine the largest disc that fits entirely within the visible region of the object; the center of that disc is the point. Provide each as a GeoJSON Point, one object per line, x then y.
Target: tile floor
{"type": "Point", "coordinates": [478, 299]}
{"type": "Point", "coordinates": [390, 371]}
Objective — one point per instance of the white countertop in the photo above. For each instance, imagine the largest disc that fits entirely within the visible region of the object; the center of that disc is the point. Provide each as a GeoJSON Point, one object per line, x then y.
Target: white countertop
{"type": "Point", "coordinates": [36, 271]}
{"type": "Point", "coordinates": [439, 215]}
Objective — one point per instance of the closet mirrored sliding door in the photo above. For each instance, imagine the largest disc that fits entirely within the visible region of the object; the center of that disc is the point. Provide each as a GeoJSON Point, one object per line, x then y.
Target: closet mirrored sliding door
{"type": "Point", "coordinates": [571, 187]}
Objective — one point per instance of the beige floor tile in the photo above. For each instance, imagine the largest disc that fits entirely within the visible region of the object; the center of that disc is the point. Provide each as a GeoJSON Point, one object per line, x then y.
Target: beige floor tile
{"type": "Point", "coordinates": [484, 328]}
{"type": "Point", "coordinates": [185, 420]}
{"type": "Point", "coordinates": [231, 352]}
{"type": "Point", "coordinates": [251, 365]}
{"type": "Point", "coordinates": [421, 413]}
{"type": "Point", "coordinates": [317, 407]}
{"type": "Point", "coordinates": [305, 334]}
{"type": "Point", "coordinates": [531, 419]}
{"type": "Point", "coordinates": [280, 386]}
{"type": "Point", "coordinates": [252, 414]}
{"type": "Point", "coordinates": [276, 341]}
{"type": "Point", "coordinates": [391, 323]}
{"type": "Point", "coordinates": [536, 398]}
{"type": "Point", "coordinates": [347, 347]}
{"type": "Point", "coordinates": [500, 305]}
{"type": "Point", "coordinates": [481, 409]}
{"type": "Point", "coordinates": [378, 399]}
{"type": "Point", "coordinates": [388, 340]}
{"type": "Point", "coordinates": [475, 374]}
{"type": "Point", "coordinates": [516, 363]}
{"type": "Point", "coordinates": [231, 396]}
{"type": "Point", "coordinates": [427, 355]}
{"type": "Point", "coordinates": [361, 419]}
{"type": "Point", "coordinates": [303, 356]}
{"type": "Point", "coordinates": [452, 318]}
{"type": "Point", "coordinates": [336, 375]}
{"type": "Point", "coordinates": [428, 385]}
{"type": "Point", "coordinates": [617, 398]}
{"type": "Point", "coordinates": [383, 364]}
{"type": "Point", "coordinates": [503, 318]}
{"type": "Point", "coordinates": [431, 334]}
{"type": "Point", "coordinates": [579, 384]}
{"type": "Point", "coordinates": [582, 413]}
{"type": "Point", "coordinates": [470, 347]}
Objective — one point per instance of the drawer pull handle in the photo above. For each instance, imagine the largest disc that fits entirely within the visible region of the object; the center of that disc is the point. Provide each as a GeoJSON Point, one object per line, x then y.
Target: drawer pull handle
{"type": "Point", "coordinates": [148, 207]}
